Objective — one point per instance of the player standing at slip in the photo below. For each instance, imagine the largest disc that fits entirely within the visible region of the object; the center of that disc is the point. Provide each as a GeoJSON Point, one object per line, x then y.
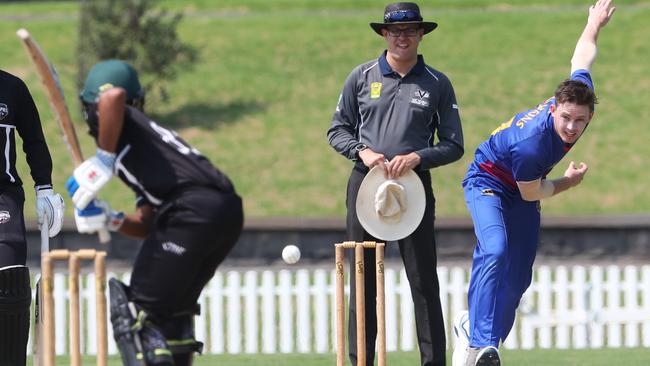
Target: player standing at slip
{"type": "Point", "coordinates": [503, 187]}
{"type": "Point", "coordinates": [187, 213]}
{"type": "Point", "coordinates": [18, 113]}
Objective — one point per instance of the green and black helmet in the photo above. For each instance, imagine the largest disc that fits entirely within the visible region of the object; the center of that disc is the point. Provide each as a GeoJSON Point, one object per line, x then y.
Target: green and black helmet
{"type": "Point", "coordinates": [111, 73]}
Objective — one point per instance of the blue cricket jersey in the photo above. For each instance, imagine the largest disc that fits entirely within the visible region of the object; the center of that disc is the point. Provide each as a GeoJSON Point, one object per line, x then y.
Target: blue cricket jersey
{"type": "Point", "coordinates": [524, 148]}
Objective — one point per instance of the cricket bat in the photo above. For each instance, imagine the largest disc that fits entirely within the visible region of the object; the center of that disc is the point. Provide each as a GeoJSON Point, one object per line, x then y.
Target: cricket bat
{"type": "Point", "coordinates": [37, 344]}
{"type": "Point", "coordinates": [50, 80]}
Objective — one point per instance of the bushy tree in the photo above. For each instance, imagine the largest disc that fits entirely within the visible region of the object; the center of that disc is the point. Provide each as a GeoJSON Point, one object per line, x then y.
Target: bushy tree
{"type": "Point", "coordinates": [132, 30]}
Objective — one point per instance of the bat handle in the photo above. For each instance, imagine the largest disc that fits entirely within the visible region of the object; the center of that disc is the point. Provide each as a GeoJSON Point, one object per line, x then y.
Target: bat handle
{"type": "Point", "coordinates": [104, 236]}
{"type": "Point", "coordinates": [45, 235]}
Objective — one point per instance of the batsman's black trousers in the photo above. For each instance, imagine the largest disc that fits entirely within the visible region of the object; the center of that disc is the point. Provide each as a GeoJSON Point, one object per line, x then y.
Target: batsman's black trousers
{"type": "Point", "coordinates": [13, 247]}
{"type": "Point", "coordinates": [193, 233]}
{"type": "Point", "coordinates": [419, 256]}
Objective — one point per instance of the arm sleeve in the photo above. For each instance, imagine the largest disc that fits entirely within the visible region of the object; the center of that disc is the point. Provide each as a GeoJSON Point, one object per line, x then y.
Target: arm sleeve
{"type": "Point", "coordinates": [583, 76]}
{"type": "Point", "coordinates": [527, 160]}
{"type": "Point", "coordinates": [449, 131]}
{"type": "Point", "coordinates": [29, 128]}
{"type": "Point", "coordinates": [343, 133]}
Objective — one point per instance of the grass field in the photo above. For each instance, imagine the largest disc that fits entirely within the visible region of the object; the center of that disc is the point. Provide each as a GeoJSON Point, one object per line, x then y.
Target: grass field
{"type": "Point", "coordinates": [600, 357]}
{"type": "Point", "coordinates": [261, 97]}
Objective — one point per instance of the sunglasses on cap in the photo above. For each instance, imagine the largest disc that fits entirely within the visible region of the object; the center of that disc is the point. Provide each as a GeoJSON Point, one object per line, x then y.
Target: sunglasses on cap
{"type": "Point", "coordinates": [402, 15]}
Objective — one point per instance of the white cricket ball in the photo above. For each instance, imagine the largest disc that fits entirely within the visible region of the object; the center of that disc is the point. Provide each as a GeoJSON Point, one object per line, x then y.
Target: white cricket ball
{"type": "Point", "coordinates": [291, 254]}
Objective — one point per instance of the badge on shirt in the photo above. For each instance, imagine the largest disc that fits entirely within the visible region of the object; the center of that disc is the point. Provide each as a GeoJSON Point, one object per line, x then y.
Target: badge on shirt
{"type": "Point", "coordinates": [375, 90]}
{"type": "Point", "coordinates": [4, 111]}
{"type": "Point", "coordinates": [420, 97]}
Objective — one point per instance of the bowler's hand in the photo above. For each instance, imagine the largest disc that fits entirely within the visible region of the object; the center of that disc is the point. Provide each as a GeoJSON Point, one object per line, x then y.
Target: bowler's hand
{"type": "Point", "coordinates": [575, 175]}
{"type": "Point", "coordinates": [401, 164]}
{"type": "Point", "coordinates": [601, 13]}
{"type": "Point", "coordinates": [371, 158]}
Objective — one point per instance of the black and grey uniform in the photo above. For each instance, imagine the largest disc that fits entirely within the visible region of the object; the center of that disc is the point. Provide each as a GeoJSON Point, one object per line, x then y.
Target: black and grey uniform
{"type": "Point", "coordinates": [18, 113]}
{"type": "Point", "coordinates": [396, 115]}
{"type": "Point", "coordinates": [198, 215]}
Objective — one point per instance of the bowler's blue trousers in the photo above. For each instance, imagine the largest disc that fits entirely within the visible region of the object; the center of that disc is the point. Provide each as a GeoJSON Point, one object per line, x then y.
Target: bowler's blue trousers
{"type": "Point", "coordinates": [507, 229]}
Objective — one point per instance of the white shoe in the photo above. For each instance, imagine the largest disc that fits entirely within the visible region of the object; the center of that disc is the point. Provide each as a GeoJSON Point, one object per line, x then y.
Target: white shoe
{"type": "Point", "coordinates": [461, 337]}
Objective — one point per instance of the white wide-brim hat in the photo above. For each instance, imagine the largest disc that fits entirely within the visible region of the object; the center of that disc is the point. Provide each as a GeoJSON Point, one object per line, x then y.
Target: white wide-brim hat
{"type": "Point", "coordinates": [390, 209]}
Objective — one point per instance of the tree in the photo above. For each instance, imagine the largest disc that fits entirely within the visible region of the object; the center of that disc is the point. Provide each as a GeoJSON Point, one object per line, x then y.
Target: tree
{"type": "Point", "coordinates": [133, 31]}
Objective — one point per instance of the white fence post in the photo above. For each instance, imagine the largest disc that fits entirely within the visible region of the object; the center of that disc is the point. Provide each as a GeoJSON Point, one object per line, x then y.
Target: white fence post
{"type": "Point", "coordinates": [645, 299]}
{"type": "Point", "coordinates": [391, 309]}
{"type": "Point", "coordinates": [217, 336]}
{"type": "Point", "coordinates": [268, 312]}
{"type": "Point", "coordinates": [579, 293]}
{"type": "Point", "coordinates": [614, 305]}
{"type": "Point", "coordinates": [406, 313]}
{"type": "Point", "coordinates": [321, 311]}
{"type": "Point", "coordinates": [561, 287]}
{"type": "Point", "coordinates": [252, 320]}
{"type": "Point", "coordinates": [631, 306]}
{"type": "Point", "coordinates": [233, 295]}
{"type": "Point", "coordinates": [544, 306]}
{"type": "Point", "coordinates": [61, 313]}
{"type": "Point", "coordinates": [303, 312]}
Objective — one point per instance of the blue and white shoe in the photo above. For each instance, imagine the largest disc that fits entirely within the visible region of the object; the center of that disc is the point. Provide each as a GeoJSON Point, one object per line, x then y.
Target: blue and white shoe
{"type": "Point", "coordinates": [461, 338]}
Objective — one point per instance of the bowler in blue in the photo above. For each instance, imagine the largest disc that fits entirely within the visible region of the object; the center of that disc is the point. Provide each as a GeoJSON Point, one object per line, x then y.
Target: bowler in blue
{"type": "Point", "coordinates": [503, 188]}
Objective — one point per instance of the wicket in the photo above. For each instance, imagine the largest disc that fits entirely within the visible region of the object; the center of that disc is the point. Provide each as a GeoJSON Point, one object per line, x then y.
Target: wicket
{"type": "Point", "coordinates": [360, 301]}
{"type": "Point", "coordinates": [74, 263]}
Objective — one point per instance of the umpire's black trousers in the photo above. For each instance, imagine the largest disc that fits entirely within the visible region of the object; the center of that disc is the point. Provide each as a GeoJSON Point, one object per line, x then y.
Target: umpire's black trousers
{"type": "Point", "coordinates": [419, 256]}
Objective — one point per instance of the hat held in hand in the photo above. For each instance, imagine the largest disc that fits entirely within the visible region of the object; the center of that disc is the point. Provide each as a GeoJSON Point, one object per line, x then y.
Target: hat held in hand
{"type": "Point", "coordinates": [390, 209]}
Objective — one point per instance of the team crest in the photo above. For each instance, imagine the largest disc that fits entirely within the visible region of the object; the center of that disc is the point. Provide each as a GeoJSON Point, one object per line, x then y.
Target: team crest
{"type": "Point", "coordinates": [105, 87]}
{"type": "Point", "coordinates": [375, 90]}
{"type": "Point", "coordinates": [4, 111]}
{"type": "Point", "coordinates": [4, 217]}
{"type": "Point", "coordinates": [420, 97]}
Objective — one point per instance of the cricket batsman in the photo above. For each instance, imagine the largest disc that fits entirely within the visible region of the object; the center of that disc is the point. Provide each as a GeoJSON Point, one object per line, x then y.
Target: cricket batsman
{"type": "Point", "coordinates": [18, 115]}
{"type": "Point", "coordinates": [503, 187]}
{"type": "Point", "coordinates": [187, 213]}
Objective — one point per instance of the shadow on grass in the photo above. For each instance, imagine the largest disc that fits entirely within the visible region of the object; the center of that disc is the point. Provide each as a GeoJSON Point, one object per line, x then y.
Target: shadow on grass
{"type": "Point", "coordinates": [208, 116]}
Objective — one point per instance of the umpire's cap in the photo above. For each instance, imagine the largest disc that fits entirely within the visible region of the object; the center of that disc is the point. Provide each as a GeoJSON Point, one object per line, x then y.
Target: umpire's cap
{"type": "Point", "coordinates": [110, 73]}
{"type": "Point", "coordinates": [403, 13]}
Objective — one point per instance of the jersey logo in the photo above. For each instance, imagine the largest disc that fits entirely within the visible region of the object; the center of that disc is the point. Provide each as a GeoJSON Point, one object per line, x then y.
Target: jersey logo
{"type": "Point", "coordinates": [105, 87]}
{"type": "Point", "coordinates": [420, 97]}
{"type": "Point", "coordinates": [4, 217]}
{"type": "Point", "coordinates": [4, 111]}
{"type": "Point", "coordinates": [375, 90]}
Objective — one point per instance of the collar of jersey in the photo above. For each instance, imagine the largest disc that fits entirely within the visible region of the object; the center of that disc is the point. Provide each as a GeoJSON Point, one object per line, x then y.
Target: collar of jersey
{"type": "Point", "coordinates": [387, 70]}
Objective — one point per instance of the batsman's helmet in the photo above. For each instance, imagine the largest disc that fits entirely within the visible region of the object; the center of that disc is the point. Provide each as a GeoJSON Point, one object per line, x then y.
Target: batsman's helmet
{"type": "Point", "coordinates": [111, 73]}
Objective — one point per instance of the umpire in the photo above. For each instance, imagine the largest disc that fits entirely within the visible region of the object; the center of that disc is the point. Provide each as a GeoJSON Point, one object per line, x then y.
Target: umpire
{"type": "Point", "coordinates": [187, 212]}
{"type": "Point", "coordinates": [388, 113]}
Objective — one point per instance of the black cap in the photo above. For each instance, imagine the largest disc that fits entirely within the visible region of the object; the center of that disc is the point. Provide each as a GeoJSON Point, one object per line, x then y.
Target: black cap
{"type": "Point", "coordinates": [403, 13]}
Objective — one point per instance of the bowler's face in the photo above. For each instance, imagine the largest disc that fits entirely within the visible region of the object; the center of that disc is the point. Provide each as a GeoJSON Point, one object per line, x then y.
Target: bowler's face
{"type": "Point", "coordinates": [402, 41]}
{"type": "Point", "coordinates": [570, 120]}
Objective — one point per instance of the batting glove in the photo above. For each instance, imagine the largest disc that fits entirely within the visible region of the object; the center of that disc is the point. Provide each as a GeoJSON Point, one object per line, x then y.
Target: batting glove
{"type": "Point", "coordinates": [97, 216]}
{"type": "Point", "coordinates": [90, 177]}
{"type": "Point", "coordinates": [49, 209]}
{"type": "Point", "coordinates": [114, 219]}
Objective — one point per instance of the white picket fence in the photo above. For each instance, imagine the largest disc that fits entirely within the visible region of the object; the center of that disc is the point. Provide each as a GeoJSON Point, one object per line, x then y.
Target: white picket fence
{"type": "Point", "coordinates": [292, 311]}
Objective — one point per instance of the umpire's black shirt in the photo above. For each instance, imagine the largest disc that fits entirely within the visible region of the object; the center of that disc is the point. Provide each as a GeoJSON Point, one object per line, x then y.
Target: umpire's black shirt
{"type": "Point", "coordinates": [18, 112]}
{"type": "Point", "coordinates": [396, 115]}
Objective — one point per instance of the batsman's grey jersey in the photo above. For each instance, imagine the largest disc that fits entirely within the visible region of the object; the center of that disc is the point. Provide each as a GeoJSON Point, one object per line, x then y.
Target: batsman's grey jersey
{"type": "Point", "coordinates": [395, 116]}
